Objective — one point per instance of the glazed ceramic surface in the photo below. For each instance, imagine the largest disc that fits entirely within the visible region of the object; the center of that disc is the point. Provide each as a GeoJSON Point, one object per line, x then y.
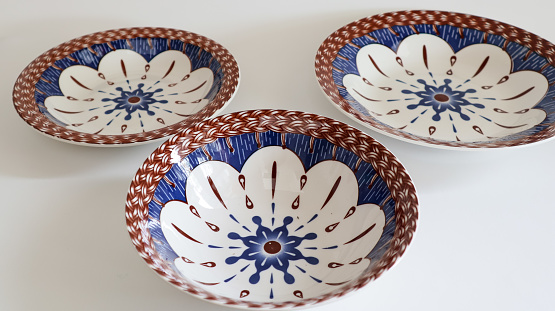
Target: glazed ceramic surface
{"type": "Point", "coordinates": [126, 86]}
{"type": "Point", "coordinates": [442, 79]}
{"type": "Point", "coordinates": [271, 209]}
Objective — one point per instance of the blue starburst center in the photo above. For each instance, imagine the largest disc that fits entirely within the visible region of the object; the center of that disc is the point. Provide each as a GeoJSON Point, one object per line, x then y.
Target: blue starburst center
{"type": "Point", "coordinates": [442, 98]}
{"type": "Point", "coordinates": [134, 100]}
{"type": "Point", "coordinates": [271, 248]}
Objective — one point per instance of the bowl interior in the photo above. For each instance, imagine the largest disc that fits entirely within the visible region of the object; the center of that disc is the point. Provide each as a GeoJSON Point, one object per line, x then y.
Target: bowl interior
{"type": "Point", "coordinates": [441, 81]}
{"type": "Point", "coordinates": [128, 86]}
{"type": "Point", "coordinates": [266, 217]}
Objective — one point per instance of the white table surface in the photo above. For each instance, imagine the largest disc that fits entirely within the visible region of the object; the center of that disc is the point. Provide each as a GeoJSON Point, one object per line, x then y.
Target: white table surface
{"type": "Point", "coordinates": [486, 235]}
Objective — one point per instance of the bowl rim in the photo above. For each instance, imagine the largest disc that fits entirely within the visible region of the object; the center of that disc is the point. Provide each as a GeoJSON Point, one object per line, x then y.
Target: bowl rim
{"type": "Point", "coordinates": [24, 89]}
{"type": "Point", "coordinates": [328, 51]}
{"type": "Point", "coordinates": [145, 182]}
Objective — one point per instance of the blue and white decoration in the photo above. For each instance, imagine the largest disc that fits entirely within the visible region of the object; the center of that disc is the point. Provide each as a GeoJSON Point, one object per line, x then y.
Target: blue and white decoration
{"type": "Point", "coordinates": [271, 216]}
{"type": "Point", "coordinates": [128, 86]}
{"type": "Point", "coordinates": [446, 83]}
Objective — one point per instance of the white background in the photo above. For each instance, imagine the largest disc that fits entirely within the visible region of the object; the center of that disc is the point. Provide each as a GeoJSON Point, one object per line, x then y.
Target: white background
{"type": "Point", "coordinates": [486, 236]}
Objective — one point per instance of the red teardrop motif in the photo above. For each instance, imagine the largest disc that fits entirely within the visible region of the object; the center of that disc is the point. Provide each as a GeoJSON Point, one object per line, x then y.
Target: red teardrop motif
{"type": "Point", "coordinates": [194, 211]}
{"type": "Point", "coordinates": [249, 202]}
{"type": "Point", "coordinates": [334, 265]}
{"type": "Point", "coordinates": [350, 212]}
{"type": "Point", "coordinates": [331, 227]}
{"type": "Point", "coordinates": [303, 181]}
{"type": "Point", "coordinates": [295, 204]}
{"type": "Point", "coordinates": [213, 227]}
{"type": "Point", "coordinates": [354, 262]}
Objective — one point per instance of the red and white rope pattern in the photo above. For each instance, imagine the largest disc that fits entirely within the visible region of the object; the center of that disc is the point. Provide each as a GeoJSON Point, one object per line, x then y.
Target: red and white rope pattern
{"type": "Point", "coordinates": [160, 162]}
{"type": "Point", "coordinates": [24, 89]}
{"type": "Point", "coordinates": [329, 49]}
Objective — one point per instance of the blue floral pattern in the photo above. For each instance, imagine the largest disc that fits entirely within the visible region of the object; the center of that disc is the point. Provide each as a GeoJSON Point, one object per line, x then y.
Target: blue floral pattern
{"type": "Point", "coordinates": [488, 93]}
{"type": "Point", "coordinates": [134, 100]}
{"type": "Point", "coordinates": [442, 98]}
{"type": "Point", "coordinates": [126, 94]}
{"type": "Point", "coordinates": [252, 239]}
{"type": "Point", "coordinates": [272, 248]}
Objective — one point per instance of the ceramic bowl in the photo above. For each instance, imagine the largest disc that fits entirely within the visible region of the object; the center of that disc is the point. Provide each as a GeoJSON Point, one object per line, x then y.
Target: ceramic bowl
{"type": "Point", "coordinates": [271, 209]}
{"type": "Point", "coordinates": [125, 86]}
{"type": "Point", "coordinates": [442, 79]}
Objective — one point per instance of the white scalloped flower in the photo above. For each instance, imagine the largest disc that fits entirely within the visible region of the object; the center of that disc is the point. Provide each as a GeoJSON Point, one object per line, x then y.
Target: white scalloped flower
{"type": "Point", "coordinates": [274, 230]}
{"type": "Point", "coordinates": [427, 89]}
{"type": "Point", "coordinates": [128, 95]}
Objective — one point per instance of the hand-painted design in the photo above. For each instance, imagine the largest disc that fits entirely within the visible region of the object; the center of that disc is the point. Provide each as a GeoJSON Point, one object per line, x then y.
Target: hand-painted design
{"type": "Point", "coordinates": [442, 98]}
{"type": "Point", "coordinates": [165, 88]}
{"type": "Point", "coordinates": [272, 248]}
{"type": "Point", "coordinates": [131, 101]}
{"type": "Point", "coordinates": [244, 293]}
{"type": "Point", "coordinates": [274, 214]}
{"type": "Point", "coordinates": [400, 87]}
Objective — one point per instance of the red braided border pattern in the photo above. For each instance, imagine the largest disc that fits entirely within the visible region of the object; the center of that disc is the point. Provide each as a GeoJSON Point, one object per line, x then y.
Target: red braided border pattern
{"type": "Point", "coordinates": [24, 89]}
{"type": "Point", "coordinates": [160, 162]}
{"type": "Point", "coordinates": [330, 47]}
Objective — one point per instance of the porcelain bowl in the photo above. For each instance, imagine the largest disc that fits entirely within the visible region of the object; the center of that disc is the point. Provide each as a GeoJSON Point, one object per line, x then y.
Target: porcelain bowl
{"type": "Point", "coordinates": [125, 86]}
{"type": "Point", "coordinates": [271, 209]}
{"type": "Point", "coordinates": [442, 79]}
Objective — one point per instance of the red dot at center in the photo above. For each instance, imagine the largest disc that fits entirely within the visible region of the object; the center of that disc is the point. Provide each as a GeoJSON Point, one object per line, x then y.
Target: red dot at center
{"type": "Point", "coordinates": [272, 247]}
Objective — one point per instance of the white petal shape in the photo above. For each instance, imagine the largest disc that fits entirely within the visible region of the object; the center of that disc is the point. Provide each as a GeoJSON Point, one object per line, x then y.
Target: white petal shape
{"type": "Point", "coordinates": [80, 82]}
{"type": "Point", "coordinates": [377, 63]}
{"type": "Point", "coordinates": [121, 65]}
{"type": "Point", "coordinates": [484, 64]}
{"type": "Point", "coordinates": [372, 94]}
{"type": "Point", "coordinates": [422, 54]}
{"type": "Point", "coordinates": [331, 189]}
{"type": "Point", "coordinates": [511, 123]}
{"type": "Point", "coordinates": [195, 86]}
{"type": "Point", "coordinates": [63, 107]}
{"type": "Point", "coordinates": [170, 66]}
{"type": "Point", "coordinates": [194, 232]}
{"type": "Point", "coordinates": [77, 114]}
{"type": "Point", "coordinates": [330, 279]}
{"type": "Point", "coordinates": [352, 235]}
{"type": "Point", "coordinates": [272, 175]}
{"type": "Point", "coordinates": [521, 90]}
{"type": "Point", "coordinates": [90, 117]}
